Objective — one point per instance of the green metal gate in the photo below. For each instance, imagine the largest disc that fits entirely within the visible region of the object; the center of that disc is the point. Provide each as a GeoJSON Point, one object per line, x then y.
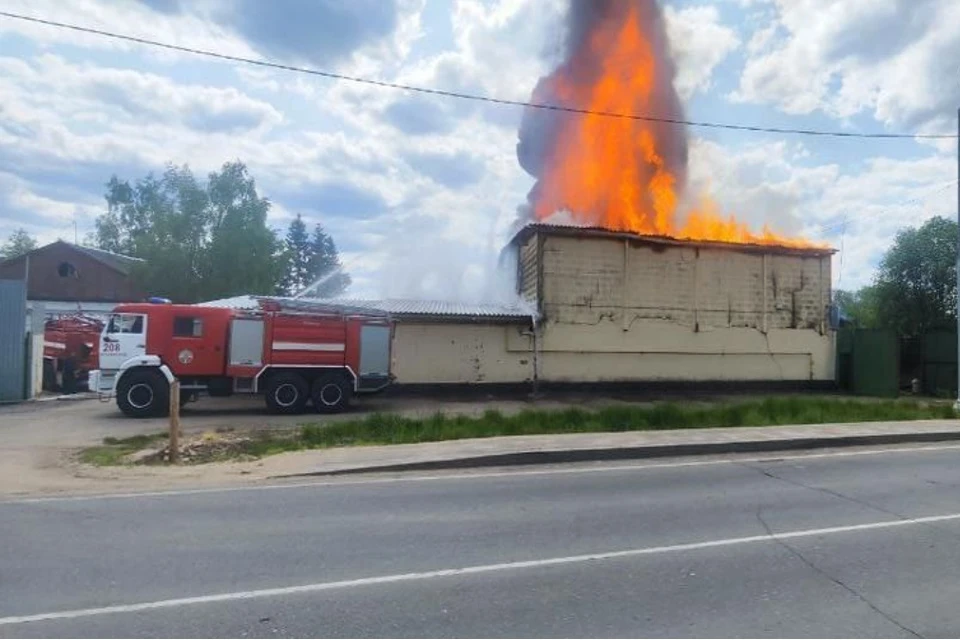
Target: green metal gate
{"type": "Point", "coordinates": [868, 362]}
{"type": "Point", "coordinates": [940, 363]}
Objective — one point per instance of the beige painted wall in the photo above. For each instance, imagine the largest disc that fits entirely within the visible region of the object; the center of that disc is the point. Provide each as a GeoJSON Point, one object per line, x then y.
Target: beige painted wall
{"type": "Point", "coordinates": [460, 353]}
{"type": "Point", "coordinates": [620, 310]}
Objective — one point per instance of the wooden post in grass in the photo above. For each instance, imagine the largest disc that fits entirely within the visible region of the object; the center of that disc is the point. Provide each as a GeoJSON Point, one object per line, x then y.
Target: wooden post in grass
{"type": "Point", "coordinates": [175, 421]}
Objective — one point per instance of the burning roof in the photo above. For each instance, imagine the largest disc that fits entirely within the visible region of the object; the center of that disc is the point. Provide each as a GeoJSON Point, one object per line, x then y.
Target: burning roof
{"type": "Point", "coordinates": [620, 173]}
{"type": "Point", "coordinates": [599, 232]}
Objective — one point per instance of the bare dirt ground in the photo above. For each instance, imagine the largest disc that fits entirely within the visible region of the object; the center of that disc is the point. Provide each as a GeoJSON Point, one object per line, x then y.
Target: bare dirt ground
{"type": "Point", "coordinates": [39, 440]}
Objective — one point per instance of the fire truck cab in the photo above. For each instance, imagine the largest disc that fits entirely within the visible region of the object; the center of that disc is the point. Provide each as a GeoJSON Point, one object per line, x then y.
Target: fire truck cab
{"type": "Point", "coordinates": [294, 353]}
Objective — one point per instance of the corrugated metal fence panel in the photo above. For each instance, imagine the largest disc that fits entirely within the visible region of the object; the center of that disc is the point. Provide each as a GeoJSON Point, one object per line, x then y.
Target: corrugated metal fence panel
{"type": "Point", "coordinates": [13, 314]}
{"type": "Point", "coordinates": [845, 358]}
{"type": "Point", "coordinates": [940, 363]}
{"type": "Point", "coordinates": [876, 363]}
{"type": "Point", "coordinates": [940, 347]}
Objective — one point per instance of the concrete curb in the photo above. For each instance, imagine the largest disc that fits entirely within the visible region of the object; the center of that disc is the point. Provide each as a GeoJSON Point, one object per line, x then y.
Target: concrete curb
{"type": "Point", "coordinates": [559, 456]}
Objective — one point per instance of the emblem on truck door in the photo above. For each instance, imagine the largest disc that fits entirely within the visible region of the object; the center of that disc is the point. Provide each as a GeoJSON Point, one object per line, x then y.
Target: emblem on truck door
{"type": "Point", "coordinates": [185, 356]}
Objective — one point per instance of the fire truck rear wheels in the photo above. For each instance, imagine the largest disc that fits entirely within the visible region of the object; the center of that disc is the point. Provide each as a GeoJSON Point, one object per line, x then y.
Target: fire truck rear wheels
{"type": "Point", "coordinates": [143, 393]}
{"type": "Point", "coordinates": [330, 394]}
{"type": "Point", "coordinates": [287, 393]}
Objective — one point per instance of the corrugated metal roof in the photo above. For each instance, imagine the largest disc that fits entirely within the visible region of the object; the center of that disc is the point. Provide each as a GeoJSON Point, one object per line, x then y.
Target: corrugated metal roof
{"type": "Point", "coordinates": [401, 307]}
{"type": "Point", "coordinates": [118, 261]}
{"type": "Point", "coordinates": [398, 307]}
{"type": "Point", "coordinates": [242, 303]}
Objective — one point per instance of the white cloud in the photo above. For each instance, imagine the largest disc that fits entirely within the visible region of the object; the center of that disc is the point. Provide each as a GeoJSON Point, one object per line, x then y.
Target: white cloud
{"type": "Point", "coordinates": [59, 114]}
{"type": "Point", "coordinates": [126, 17]}
{"type": "Point", "coordinates": [699, 42]}
{"type": "Point", "coordinates": [45, 218]}
{"type": "Point", "coordinates": [893, 59]}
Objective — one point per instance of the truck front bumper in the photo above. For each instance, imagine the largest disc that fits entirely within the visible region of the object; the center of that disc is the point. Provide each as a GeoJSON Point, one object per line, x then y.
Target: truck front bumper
{"type": "Point", "coordinates": [102, 382]}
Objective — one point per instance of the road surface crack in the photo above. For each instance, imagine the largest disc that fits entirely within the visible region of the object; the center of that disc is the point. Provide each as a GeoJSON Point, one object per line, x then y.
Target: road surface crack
{"type": "Point", "coordinates": [843, 496]}
{"type": "Point", "coordinates": [829, 492]}
{"type": "Point", "coordinates": [837, 581]}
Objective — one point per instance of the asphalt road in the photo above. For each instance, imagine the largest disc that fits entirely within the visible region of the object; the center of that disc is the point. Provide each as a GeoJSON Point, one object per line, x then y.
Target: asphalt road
{"type": "Point", "coordinates": [864, 544]}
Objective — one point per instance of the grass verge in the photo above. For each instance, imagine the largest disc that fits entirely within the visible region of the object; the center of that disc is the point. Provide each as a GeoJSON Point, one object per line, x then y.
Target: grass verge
{"type": "Point", "coordinates": [113, 451]}
{"type": "Point", "coordinates": [381, 429]}
{"type": "Point", "coordinates": [393, 429]}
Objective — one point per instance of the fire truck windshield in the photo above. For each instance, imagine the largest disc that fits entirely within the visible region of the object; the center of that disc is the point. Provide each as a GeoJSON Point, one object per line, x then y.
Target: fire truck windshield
{"type": "Point", "coordinates": [125, 324]}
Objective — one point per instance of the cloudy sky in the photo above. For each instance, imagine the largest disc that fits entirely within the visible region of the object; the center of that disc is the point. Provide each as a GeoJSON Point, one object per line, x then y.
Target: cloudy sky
{"type": "Point", "coordinates": [420, 192]}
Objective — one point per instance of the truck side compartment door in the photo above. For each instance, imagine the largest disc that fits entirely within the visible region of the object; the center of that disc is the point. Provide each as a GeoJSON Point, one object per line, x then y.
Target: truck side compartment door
{"type": "Point", "coordinates": [197, 345]}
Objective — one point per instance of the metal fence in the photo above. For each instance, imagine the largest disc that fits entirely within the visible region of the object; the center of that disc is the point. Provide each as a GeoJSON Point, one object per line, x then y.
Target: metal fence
{"type": "Point", "coordinates": [13, 336]}
{"type": "Point", "coordinates": [939, 363]}
{"type": "Point", "coordinates": [868, 362]}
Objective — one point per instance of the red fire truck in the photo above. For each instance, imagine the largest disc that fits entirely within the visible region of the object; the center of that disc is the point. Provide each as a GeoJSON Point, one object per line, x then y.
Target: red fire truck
{"type": "Point", "coordinates": [70, 351]}
{"type": "Point", "coordinates": [293, 352]}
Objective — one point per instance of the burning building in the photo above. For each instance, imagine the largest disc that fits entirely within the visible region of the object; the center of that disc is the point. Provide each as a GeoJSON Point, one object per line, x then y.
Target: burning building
{"type": "Point", "coordinates": [647, 281]}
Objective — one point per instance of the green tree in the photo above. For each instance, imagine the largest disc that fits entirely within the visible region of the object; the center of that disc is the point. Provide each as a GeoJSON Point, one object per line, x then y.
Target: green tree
{"type": "Point", "coordinates": [164, 221]}
{"type": "Point", "coordinates": [916, 285]}
{"type": "Point", "coordinates": [297, 253]}
{"type": "Point", "coordinates": [860, 307]}
{"type": "Point", "coordinates": [244, 254]}
{"type": "Point", "coordinates": [325, 270]}
{"type": "Point", "coordinates": [18, 243]}
{"type": "Point", "coordinates": [199, 241]}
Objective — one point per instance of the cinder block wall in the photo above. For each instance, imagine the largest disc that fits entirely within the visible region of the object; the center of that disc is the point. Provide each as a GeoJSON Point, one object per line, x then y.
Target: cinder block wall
{"type": "Point", "coordinates": [617, 309]}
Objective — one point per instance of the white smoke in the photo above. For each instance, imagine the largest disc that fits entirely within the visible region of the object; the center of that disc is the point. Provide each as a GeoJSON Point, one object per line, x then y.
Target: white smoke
{"type": "Point", "coordinates": [423, 262]}
{"type": "Point", "coordinates": [565, 218]}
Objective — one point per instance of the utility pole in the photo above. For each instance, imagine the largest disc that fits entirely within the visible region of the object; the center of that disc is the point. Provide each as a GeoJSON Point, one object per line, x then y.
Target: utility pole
{"type": "Point", "coordinates": [956, 405]}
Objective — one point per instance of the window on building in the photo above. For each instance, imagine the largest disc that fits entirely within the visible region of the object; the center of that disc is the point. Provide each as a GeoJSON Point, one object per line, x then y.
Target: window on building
{"type": "Point", "coordinates": [187, 327]}
{"type": "Point", "coordinates": [66, 270]}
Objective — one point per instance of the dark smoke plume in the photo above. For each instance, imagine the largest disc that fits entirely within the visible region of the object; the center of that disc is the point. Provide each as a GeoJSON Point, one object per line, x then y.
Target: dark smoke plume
{"type": "Point", "coordinates": [583, 66]}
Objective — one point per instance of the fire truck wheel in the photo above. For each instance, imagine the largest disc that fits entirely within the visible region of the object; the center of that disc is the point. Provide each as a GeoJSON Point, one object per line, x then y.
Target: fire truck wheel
{"type": "Point", "coordinates": [330, 394]}
{"type": "Point", "coordinates": [286, 393]}
{"type": "Point", "coordinates": [143, 393]}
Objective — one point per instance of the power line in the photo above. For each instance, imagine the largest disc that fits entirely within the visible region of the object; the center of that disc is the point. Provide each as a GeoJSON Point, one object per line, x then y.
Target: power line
{"type": "Point", "coordinates": [914, 201]}
{"type": "Point", "coordinates": [470, 96]}
{"type": "Point", "coordinates": [846, 218]}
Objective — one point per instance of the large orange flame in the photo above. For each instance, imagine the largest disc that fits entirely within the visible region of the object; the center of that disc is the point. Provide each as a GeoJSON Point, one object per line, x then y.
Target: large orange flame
{"type": "Point", "coordinates": [611, 172]}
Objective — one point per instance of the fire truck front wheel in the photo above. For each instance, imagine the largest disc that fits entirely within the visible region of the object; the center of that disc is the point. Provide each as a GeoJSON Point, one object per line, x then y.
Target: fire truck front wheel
{"type": "Point", "coordinates": [143, 393]}
{"type": "Point", "coordinates": [286, 393]}
{"type": "Point", "coordinates": [330, 394]}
